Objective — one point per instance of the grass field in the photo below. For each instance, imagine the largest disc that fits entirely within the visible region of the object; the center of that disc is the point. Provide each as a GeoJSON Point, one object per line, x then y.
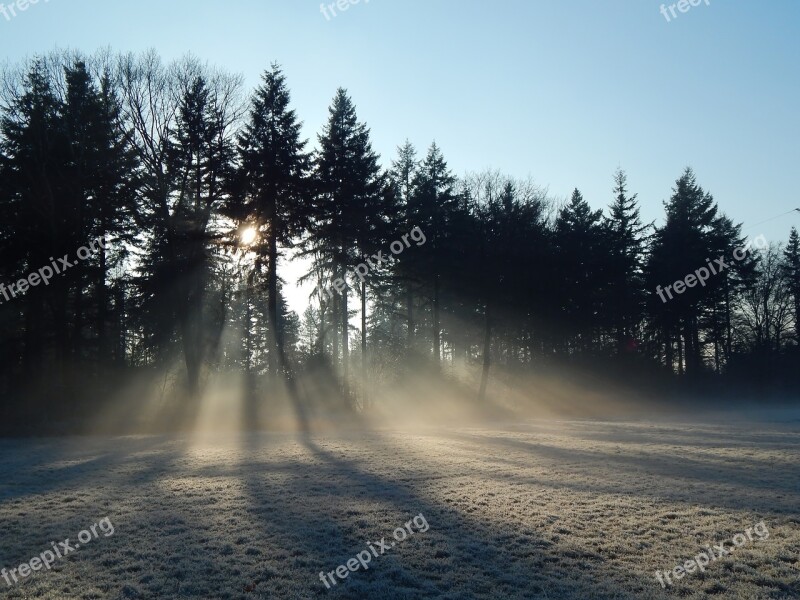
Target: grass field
{"type": "Point", "coordinates": [539, 509]}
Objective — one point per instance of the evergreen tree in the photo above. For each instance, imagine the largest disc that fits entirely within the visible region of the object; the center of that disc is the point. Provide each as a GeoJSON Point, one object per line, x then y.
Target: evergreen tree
{"type": "Point", "coordinates": [403, 172]}
{"type": "Point", "coordinates": [37, 224]}
{"type": "Point", "coordinates": [692, 236]}
{"type": "Point", "coordinates": [431, 206]}
{"type": "Point", "coordinates": [349, 184]}
{"type": "Point", "coordinates": [624, 302]}
{"type": "Point", "coordinates": [579, 243]}
{"type": "Point", "coordinates": [273, 192]}
{"type": "Point", "coordinates": [791, 275]}
{"type": "Point", "coordinates": [101, 175]}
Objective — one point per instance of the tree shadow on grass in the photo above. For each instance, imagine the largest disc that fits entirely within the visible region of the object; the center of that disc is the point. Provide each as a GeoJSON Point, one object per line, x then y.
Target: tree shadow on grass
{"type": "Point", "coordinates": [772, 491]}
{"type": "Point", "coordinates": [41, 466]}
{"type": "Point", "coordinates": [343, 506]}
{"type": "Point", "coordinates": [71, 485]}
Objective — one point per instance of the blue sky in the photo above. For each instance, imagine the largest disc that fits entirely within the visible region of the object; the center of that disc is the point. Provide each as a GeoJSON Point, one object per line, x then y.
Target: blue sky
{"type": "Point", "coordinates": [562, 90]}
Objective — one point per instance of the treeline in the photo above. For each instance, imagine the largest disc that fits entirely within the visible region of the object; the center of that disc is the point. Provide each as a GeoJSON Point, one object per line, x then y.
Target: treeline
{"type": "Point", "coordinates": [203, 195]}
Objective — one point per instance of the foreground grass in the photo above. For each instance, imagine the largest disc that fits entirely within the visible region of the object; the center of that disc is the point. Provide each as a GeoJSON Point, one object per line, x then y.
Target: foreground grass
{"type": "Point", "coordinates": [557, 510]}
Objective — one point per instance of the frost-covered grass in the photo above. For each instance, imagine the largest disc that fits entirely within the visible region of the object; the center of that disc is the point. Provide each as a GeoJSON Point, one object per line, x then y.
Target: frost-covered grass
{"type": "Point", "coordinates": [542, 509]}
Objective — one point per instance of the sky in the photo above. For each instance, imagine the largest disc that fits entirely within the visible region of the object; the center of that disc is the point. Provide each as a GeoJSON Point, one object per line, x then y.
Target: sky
{"type": "Point", "coordinates": [563, 91]}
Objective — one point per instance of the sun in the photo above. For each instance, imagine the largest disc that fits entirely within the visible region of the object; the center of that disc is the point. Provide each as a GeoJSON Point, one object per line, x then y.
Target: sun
{"type": "Point", "coordinates": [248, 236]}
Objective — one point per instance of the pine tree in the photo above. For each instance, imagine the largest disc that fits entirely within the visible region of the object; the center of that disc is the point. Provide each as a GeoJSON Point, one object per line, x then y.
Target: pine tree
{"type": "Point", "coordinates": [579, 243]}
{"type": "Point", "coordinates": [791, 275]}
{"type": "Point", "coordinates": [273, 191]}
{"type": "Point", "coordinates": [431, 207]}
{"type": "Point", "coordinates": [403, 172]}
{"type": "Point", "coordinates": [692, 235]}
{"type": "Point", "coordinates": [102, 180]}
{"type": "Point", "coordinates": [625, 260]}
{"type": "Point", "coordinates": [36, 224]}
{"type": "Point", "coordinates": [349, 184]}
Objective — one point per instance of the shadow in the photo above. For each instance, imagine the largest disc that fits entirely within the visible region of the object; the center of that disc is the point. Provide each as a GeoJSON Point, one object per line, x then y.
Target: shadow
{"type": "Point", "coordinates": [261, 515]}
{"type": "Point", "coordinates": [776, 491]}
{"type": "Point", "coordinates": [361, 505]}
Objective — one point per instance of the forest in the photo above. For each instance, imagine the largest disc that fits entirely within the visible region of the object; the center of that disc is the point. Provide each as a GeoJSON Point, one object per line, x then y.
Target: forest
{"type": "Point", "coordinates": [203, 194]}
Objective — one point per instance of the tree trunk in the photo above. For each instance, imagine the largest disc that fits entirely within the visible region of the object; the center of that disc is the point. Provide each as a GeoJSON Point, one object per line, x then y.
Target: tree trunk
{"type": "Point", "coordinates": [410, 311]}
{"type": "Point", "coordinates": [120, 326]}
{"type": "Point", "coordinates": [102, 309]}
{"type": "Point", "coordinates": [191, 354]}
{"type": "Point", "coordinates": [669, 353]}
{"type": "Point", "coordinates": [322, 344]}
{"type": "Point", "coordinates": [487, 343]}
{"type": "Point", "coordinates": [728, 332]}
{"type": "Point", "coordinates": [345, 330]}
{"type": "Point", "coordinates": [364, 343]}
{"type": "Point", "coordinates": [77, 339]}
{"type": "Point", "coordinates": [697, 359]}
{"type": "Point", "coordinates": [335, 330]}
{"type": "Point", "coordinates": [273, 304]}
{"type": "Point", "coordinates": [797, 317]}
{"type": "Point", "coordinates": [437, 340]}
